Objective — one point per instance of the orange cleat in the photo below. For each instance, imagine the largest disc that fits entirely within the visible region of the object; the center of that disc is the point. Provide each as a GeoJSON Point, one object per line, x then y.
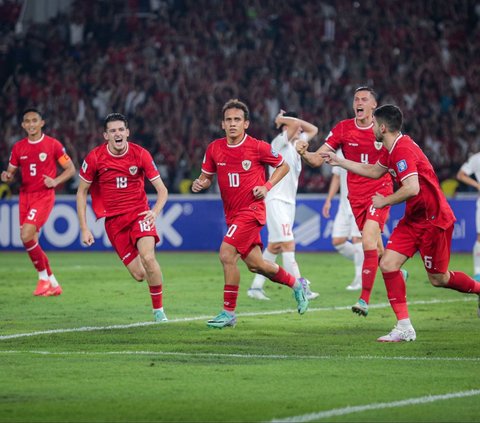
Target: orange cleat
{"type": "Point", "coordinates": [52, 292]}
{"type": "Point", "coordinates": [42, 287]}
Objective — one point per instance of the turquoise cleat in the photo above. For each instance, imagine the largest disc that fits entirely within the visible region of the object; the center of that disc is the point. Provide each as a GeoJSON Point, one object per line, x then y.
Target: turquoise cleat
{"type": "Point", "coordinates": [159, 316]}
{"type": "Point", "coordinates": [223, 320]}
{"type": "Point", "coordinates": [361, 308]}
{"type": "Point", "coordinates": [300, 295]}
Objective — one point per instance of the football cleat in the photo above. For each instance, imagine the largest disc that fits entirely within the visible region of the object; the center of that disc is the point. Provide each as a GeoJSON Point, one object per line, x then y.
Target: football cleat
{"type": "Point", "coordinates": [43, 286]}
{"type": "Point", "coordinates": [398, 335]}
{"type": "Point", "coordinates": [257, 294]}
{"type": "Point", "coordinates": [160, 316]}
{"type": "Point", "coordinates": [300, 295]}
{"type": "Point", "coordinates": [355, 285]}
{"type": "Point", "coordinates": [361, 308]}
{"type": "Point", "coordinates": [310, 294]}
{"type": "Point", "coordinates": [53, 292]}
{"type": "Point", "coordinates": [223, 320]}
{"type": "Point", "coordinates": [477, 277]}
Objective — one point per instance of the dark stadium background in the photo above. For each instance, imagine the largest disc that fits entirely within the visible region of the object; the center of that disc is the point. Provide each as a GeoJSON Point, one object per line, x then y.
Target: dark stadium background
{"type": "Point", "coordinates": [169, 65]}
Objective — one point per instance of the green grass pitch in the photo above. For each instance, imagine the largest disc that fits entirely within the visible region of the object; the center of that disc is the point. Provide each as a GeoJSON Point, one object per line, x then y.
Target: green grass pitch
{"type": "Point", "coordinates": [94, 354]}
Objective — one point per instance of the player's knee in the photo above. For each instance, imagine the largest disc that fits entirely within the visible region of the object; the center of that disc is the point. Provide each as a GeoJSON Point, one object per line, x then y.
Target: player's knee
{"type": "Point", "coordinates": [438, 280]}
{"type": "Point", "coordinates": [138, 274]}
{"type": "Point", "coordinates": [387, 265]}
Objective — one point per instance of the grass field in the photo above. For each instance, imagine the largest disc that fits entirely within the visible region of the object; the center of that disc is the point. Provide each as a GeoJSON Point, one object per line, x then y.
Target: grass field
{"type": "Point", "coordinates": [94, 354]}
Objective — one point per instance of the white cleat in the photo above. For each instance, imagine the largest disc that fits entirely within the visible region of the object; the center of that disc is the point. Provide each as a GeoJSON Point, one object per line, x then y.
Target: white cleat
{"type": "Point", "coordinates": [399, 335]}
{"type": "Point", "coordinates": [355, 285]}
{"type": "Point", "coordinates": [257, 294]}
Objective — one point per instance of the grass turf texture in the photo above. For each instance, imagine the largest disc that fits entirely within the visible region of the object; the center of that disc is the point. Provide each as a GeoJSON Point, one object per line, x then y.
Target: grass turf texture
{"type": "Point", "coordinates": [274, 364]}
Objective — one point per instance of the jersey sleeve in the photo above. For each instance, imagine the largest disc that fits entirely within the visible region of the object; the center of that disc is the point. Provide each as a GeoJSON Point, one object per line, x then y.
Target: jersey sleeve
{"type": "Point", "coordinates": [208, 166]}
{"type": "Point", "coordinates": [383, 158]}
{"type": "Point", "coordinates": [403, 162]}
{"type": "Point", "coordinates": [472, 165]}
{"type": "Point", "coordinates": [148, 164]}
{"type": "Point", "coordinates": [13, 160]}
{"type": "Point", "coordinates": [268, 155]}
{"type": "Point", "coordinates": [281, 140]}
{"type": "Point", "coordinates": [334, 137]}
{"type": "Point", "coordinates": [89, 168]}
{"type": "Point", "coordinates": [59, 153]}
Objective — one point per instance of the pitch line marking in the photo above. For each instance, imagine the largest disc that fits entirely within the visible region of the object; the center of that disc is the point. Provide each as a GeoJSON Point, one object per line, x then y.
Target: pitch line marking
{"type": "Point", "coordinates": [241, 356]}
{"type": "Point", "coordinates": [376, 406]}
{"type": "Point", "coordinates": [192, 319]}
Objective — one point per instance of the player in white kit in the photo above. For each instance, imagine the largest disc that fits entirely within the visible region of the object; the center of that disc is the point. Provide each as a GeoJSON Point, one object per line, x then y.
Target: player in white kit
{"type": "Point", "coordinates": [281, 201]}
{"type": "Point", "coordinates": [346, 237]}
{"type": "Point", "coordinates": [472, 166]}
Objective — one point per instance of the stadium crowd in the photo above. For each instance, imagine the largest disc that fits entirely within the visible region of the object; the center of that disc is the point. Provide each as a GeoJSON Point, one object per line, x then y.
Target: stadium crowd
{"type": "Point", "coordinates": [169, 65]}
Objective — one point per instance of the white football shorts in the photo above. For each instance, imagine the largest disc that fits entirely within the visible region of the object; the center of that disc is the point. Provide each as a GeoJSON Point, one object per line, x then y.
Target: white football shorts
{"type": "Point", "coordinates": [280, 218]}
{"type": "Point", "coordinates": [344, 225]}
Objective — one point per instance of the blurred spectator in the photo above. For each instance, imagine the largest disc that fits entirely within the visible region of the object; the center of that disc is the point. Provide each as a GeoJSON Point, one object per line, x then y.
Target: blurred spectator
{"type": "Point", "coordinates": [171, 65]}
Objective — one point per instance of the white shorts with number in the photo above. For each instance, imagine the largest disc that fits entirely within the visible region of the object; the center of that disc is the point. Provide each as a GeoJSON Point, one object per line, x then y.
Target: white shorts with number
{"type": "Point", "coordinates": [344, 225]}
{"type": "Point", "coordinates": [280, 218]}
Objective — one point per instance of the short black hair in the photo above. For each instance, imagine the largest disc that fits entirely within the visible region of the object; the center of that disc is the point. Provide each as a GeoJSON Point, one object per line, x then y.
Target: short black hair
{"type": "Point", "coordinates": [288, 114]}
{"type": "Point", "coordinates": [366, 88]}
{"type": "Point", "coordinates": [114, 117]}
{"type": "Point", "coordinates": [389, 115]}
{"type": "Point", "coordinates": [32, 110]}
{"type": "Point", "coordinates": [235, 103]}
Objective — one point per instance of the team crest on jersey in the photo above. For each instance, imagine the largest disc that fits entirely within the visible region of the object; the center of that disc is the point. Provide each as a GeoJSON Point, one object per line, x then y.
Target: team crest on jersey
{"type": "Point", "coordinates": [402, 166]}
{"type": "Point", "coordinates": [133, 170]}
{"type": "Point", "coordinates": [246, 164]}
{"type": "Point", "coordinates": [392, 172]}
{"type": "Point", "coordinates": [42, 157]}
{"type": "Point", "coordinates": [378, 145]}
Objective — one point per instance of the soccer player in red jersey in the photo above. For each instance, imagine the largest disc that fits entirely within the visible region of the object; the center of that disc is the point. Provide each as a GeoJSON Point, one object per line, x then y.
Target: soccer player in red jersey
{"type": "Point", "coordinates": [114, 174]}
{"type": "Point", "coordinates": [427, 225]}
{"type": "Point", "coordinates": [37, 156]}
{"type": "Point", "coordinates": [239, 162]}
{"type": "Point", "coordinates": [356, 139]}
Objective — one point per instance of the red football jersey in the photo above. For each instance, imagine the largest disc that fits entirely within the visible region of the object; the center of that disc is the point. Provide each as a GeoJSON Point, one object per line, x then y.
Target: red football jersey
{"type": "Point", "coordinates": [239, 169]}
{"type": "Point", "coordinates": [35, 159]}
{"type": "Point", "coordinates": [118, 182]}
{"type": "Point", "coordinates": [406, 158]}
{"type": "Point", "coordinates": [358, 144]}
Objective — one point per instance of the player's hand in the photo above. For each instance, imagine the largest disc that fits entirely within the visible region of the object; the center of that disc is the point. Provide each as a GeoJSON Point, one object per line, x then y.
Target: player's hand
{"type": "Point", "coordinates": [280, 114]}
{"type": "Point", "coordinates": [301, 147]}
{"type": "Point", "coordinates": [330, 158]}
{"type": "Point", "coordinates": [199, 185]}
{"type": "Point", "coordinates": [378, 201]}
{"type": "Point", "coordinates": [49, 182]}
{"type": "Point", "coordinates": [6, 176]}
{"type": "Point", "coordinates": [260, 192]}
{"type": "Point", "coordinates": [326, 208]}
{"type": "Point", "coordinates": [150, 217]}
{"type": "Point", "coordinates": [87, 237]}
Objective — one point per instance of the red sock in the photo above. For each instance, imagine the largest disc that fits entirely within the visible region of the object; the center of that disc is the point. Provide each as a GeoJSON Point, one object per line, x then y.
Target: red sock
{"type": "Point", "coordinates": [36, 254]}
{"type": "Point", "coordinates": [283, 277]}
{"type": "Point", "coordinates": [230, 295]}
{"type": "Point", "coordinates": [369, 271]}
{"type": "Point", "coordinates": [461, 282]}
{"type": "Point", "coordinates": [156, 295]}
{"type": "Point", "coordinates": [396, 293]}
